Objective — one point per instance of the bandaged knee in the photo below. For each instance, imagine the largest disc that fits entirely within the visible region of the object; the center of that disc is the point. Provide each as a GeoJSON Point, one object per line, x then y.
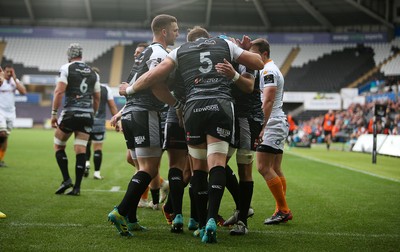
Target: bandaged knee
{"type": "Point", "coordinates": [198, 153]}
{"type": "Point", "coordinates": [244, 156]}
{"type": "Point", "coordinates": [217, 147]}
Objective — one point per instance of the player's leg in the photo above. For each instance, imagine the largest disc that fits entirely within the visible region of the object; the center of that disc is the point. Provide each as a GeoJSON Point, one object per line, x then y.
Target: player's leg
{"type": "Point", "coordinates": [80, 142]}
{"type": "Point", "coordinates": [88, 155]}
{"type": "Point", "coordinates": [60, 142]}
{"type": "Point", "coordinates": [97, 157]}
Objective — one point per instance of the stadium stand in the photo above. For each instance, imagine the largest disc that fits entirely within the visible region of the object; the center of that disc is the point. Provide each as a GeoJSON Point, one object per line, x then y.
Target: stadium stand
{"type": "Point", "coordinates": [330, 72]}
{"type": "Point", "coordinates": [49, 54]}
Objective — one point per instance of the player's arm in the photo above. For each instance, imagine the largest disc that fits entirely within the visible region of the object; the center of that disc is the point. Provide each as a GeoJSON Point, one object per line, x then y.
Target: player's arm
{"type": "Point", "coordinates": [57, 99]}
{"type": "Point", "coordinates": [20, 87]}
{"type": "Point", "coordinates": [96, 95]}
{"type": "Point", "coordinates": [110, 102]}
{"type": "Point", "coordinates": [244, 81]}
{"type": "Point", "coordinates": [250, 60]}
{"type": "Point", "coordinates": [267, 103]}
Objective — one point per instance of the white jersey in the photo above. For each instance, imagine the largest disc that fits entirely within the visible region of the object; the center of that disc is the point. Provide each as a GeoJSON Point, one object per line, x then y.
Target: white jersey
{"type": "Point", "coordinates": [7, 97]}
{"type": "Point", "coordinates": [271, 76]}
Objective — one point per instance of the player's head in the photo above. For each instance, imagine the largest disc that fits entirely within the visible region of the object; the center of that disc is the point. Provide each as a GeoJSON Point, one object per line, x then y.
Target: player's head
{"type": "Point", "coordinates": [8, 71]}
{"type": "Point", "coordinates": [261, 47]}
{"type": "Point", "coordinates": [166, 26]}
{"type": "Point", "coordinates": [74, 52]}
{"type": "Point", "coordinates": [140, 48]}
{"type": "Point", "coordinates": [196, 33]}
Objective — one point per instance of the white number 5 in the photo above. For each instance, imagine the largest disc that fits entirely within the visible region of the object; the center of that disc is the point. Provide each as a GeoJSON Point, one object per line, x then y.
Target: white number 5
{"type": "Point", "coordinates": [204, 59]}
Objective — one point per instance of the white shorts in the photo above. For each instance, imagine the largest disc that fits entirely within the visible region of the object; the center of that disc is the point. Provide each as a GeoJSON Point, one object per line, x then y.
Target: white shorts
{"type": "Point", "coordinates": [276, 132]}
{"type": "Point", "coordinates": [6, 123]}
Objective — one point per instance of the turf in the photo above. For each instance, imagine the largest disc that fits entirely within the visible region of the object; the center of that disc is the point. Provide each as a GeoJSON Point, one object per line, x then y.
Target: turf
{"type": "Point", "coordinates": [340, 202]}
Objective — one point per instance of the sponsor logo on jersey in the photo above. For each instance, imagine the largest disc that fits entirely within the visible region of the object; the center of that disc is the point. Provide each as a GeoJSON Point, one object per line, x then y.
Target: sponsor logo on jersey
{"type": "Point", "coordinates": [223, 132]}
{"type": "Point", "coordinates": [269, 78]}
{"type": "Point", "coordinates": [86, 70]}
{"type": "Point", "coordinates": [206, 80]}
{"type": "Point", "coordinates": [140, 139]}
{"type": "Point", "coordinates": [205, 42]}
{"type": "Point", "coordinates": [213, 107]}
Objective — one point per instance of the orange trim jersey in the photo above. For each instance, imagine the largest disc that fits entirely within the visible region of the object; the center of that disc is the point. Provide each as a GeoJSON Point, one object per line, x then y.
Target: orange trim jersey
{"type": "Point", "coordinates": [329, 121]}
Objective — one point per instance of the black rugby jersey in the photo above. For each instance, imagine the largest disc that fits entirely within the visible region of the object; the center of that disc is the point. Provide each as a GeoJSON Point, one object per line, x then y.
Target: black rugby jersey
{"type": "Point", "coordinates": [81, 81]}
{"type": "Point", "coordinates": [249, 105]}
{"type": "Point", "coordinates": [196, 63]}
{"type": "Point", "coordinates": [100, 119]}
{"type": "Point", "coordinates": [145, 100]}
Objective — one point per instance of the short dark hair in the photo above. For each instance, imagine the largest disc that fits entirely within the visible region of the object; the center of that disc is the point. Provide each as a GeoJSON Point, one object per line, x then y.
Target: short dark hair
{"type": "Point", "coordinates": [161, 22]}
{"type": "Point", "coordinates": [142, 45]}
{"type": "Point", "coordinates": [262, 44]}
{"type": "Point", "coordinates": [197, 32]}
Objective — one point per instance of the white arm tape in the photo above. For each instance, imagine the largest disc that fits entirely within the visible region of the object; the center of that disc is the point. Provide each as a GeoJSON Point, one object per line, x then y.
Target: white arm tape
{"type": "Point", "coordinates": [129, 90]}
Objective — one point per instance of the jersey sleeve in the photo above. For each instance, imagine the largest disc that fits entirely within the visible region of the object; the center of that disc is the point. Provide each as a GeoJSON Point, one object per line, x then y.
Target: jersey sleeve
{"type": "Point", "coordinates": [97, 84]}
{"type": "Point", "coordinates": [235, 50]}
{"type": "Point", "coordinates": [63, 75]}
{"type": "Point", "coordinates": [268, 78]}
{"type": "Point", "coordinates": [173, 56]}
{"type": "Point", "coordinates": [156, 57]}
{"type": "Point", "coordinates": [110, 96]}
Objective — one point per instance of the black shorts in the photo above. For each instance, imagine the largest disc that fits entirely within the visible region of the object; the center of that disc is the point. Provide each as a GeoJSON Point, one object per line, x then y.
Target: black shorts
{"type": "Point", "coordinates": [141, 129]}
{"type": "Point", "coordinates": [212, 117]}
{"type": "Point", "coordinates": [71, 121]}
{"type": "Point", "coordinates": [97, 136]}
{"type": "Point", "coordinates": [174, 137]}
{"type": "Point", "coordinates": [247, 131]}
{"type": "Point", "coordinates": [268, 149]}
{"type": "Point", "coordinates": [327, 132]}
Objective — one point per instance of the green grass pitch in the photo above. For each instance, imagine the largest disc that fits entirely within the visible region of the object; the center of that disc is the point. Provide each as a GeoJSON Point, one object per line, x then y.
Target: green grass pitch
{"type": "Point", "coordinates": [340, 202]}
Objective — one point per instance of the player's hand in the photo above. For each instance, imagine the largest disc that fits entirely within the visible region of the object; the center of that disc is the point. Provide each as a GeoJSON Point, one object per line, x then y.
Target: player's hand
{"type": "Point", "coordinates": [245, 43]}
{"type": "Point", "coordinates": [122, 88]}
{"type": "Point", "coordinates": [259, 139]}
{"type": "Point", "coordinates": [226, 69]}
{"type": "Point", "coordinates": [54, 121]}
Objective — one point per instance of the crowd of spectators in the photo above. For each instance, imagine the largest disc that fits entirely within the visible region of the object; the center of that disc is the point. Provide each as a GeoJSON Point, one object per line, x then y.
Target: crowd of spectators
{"type": "Point", "coordinates": [350, 124]}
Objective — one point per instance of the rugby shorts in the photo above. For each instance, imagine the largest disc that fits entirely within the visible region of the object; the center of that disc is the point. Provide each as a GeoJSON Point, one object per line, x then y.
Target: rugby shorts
{"type": "Point", "coordinates": [71, 121]}
{"type": "Point", "coordinates": [174, 137]}
{"type": "Point", "coordinates": [214, 117]}
{"type": "Point", "coordinates": [275, 133]}
{"type": "Point", "coordinates": [141, 129]}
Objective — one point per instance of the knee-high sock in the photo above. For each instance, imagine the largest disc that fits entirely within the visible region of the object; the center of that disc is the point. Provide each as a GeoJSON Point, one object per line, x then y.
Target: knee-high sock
{"type": "Point", "coordinates": [193, 209]}
{"type": "Point", "coordinates": [155, 195]}
{"type": "Point", "coordinates": [97, 158]}
{"type": "Point", "coordinates": [88, 150]}
{"type": "Point", "coordinates": [283, 180]}
{"type": "Point", "coordinates": [62, 162]}
{"type": "Point", "coordinates": [136, 187]}
{"type": "Point", "coordinates": [176, 187]}
{"type": "Point", "coordinates": [200, 192]}
{"type": "Point", "coordinates": [232, 185]}
{"type": "Point", "coordinates": [216, 187]}
{"type": "Point", "coordinates": [275, 186]}
{"type": "Point", "coordinates": [79, 169]}
{"type": "Point", "coordinates": [246, 194]}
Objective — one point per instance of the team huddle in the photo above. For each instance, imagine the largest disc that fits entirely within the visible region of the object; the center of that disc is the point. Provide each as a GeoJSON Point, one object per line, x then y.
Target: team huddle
{"type": "Point", "coordinates": [224, 96]}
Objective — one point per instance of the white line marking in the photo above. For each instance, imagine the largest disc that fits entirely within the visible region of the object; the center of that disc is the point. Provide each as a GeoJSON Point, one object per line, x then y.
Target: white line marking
{"type": "Point", "coordinates": [343, 166]}
{"type": "Point", "coordinates": [99, 190]}
{"type": "Point", "coordinates": [166, 228]}
{"type": "Point", "coordinates": [115, 189]}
